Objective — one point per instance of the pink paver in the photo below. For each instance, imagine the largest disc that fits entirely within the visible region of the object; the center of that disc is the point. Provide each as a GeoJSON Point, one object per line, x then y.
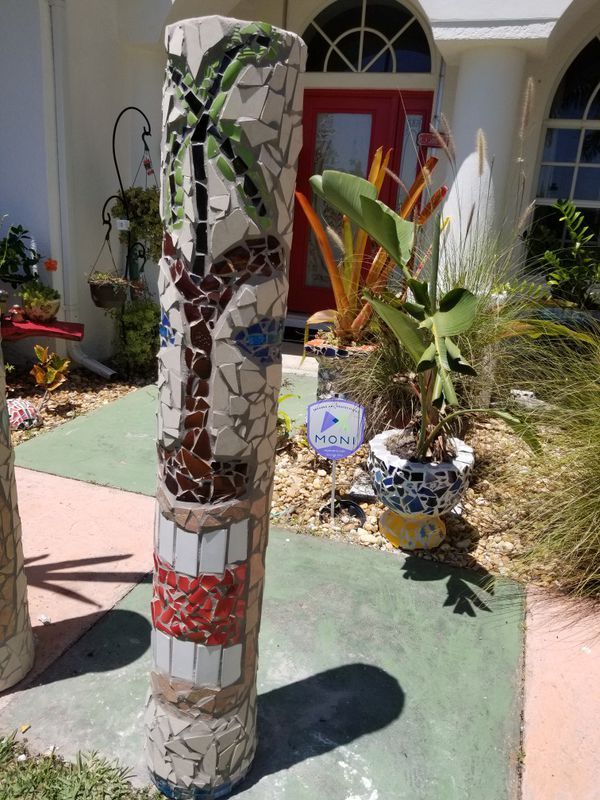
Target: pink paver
{"type": "Point", "coordinates": [562, 701]}
{"type": "Point", "coordinates": [85, 547]}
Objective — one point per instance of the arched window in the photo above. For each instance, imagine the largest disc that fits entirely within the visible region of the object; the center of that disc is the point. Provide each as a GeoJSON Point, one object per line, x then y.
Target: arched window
{"type": "Point", "coordinates": [570, 165]}
{"type": "Point", "coordinates": [366, 36]}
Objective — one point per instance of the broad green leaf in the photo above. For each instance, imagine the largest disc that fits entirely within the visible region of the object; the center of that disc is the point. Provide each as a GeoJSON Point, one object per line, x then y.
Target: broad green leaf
{"type": "Point", "coordinates": [420, 291]}
{"type": "Point", "coordinates": [404, 328]}
{"type": "Point", "coordinates": [456, 361]}
{"type": "Point", "coordinates": [394, 234]}
{"type": "Point", "coordinates": [428, 360]}
{"type": "Point", "coordinates": [414, 309]}
{"type": "Point", "coordinates": [445, 390]}
{"type": "Point", "coordinates": [344, 192]}
{"type": "Point", "coordinates": [457, 313]}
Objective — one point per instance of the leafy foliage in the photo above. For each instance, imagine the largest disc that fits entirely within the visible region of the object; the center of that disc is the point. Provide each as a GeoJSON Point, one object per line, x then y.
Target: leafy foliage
{"type": "Point", "coordinates": [138, 340]}
{"type": "Point", "coordinates": [364, 217]}
{"type": "Point", "coordinates": [17, 257]}
{"type": "Point", "coordinates": [572, 272]}
{"type": "Point", "coordinates": [35, 292]}
{"type": "Point", "coordinates": [50, 372]}
{"type": "Point", "coordinates": [144, 218]}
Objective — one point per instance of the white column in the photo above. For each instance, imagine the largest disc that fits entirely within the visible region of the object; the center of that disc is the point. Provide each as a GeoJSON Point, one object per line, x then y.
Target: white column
{"type": "Point", "coordinates": [488, 97]}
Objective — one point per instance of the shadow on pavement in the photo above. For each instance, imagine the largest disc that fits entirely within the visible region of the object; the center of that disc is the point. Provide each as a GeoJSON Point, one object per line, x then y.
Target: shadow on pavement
{"type": "Point", "coordinates": [41, 575]}
{"type": "Point", "coordinates": [317, 714]}
{"type": "Point", "coordinates": [461, 584]}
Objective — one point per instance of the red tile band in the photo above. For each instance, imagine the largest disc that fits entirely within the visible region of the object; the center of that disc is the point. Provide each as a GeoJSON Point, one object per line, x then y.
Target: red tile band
{"type": "Point", "coordinates": [208, 609]}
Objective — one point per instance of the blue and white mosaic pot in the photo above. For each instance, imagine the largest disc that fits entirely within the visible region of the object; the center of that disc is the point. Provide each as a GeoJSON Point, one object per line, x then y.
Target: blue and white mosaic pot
{"type": "Point", "coordinates": [414, 487]}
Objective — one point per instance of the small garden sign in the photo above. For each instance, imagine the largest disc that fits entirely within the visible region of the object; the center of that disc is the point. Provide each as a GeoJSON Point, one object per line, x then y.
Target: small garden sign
{"type": "Point", "coordinates": [335, 429]}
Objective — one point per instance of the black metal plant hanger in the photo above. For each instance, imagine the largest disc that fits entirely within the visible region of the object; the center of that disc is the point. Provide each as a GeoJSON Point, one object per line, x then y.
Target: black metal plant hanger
{"type": "Point", "coordinates": [133, 248]}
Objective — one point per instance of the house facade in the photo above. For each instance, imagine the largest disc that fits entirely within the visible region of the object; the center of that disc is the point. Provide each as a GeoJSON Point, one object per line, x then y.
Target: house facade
{"type": "Point", "coordinates": [379, 72]}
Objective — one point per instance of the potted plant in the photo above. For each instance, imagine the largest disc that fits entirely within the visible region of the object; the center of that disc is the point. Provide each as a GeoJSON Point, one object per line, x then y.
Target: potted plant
{"type": "Point", "coordinates": [18, 256]}
{"type": "Point", "coordinates": [40, 302]}
{"type": "Point", "coordinates": [361, 267]}
{"type": "Point", "coordinates": [108, 289]}
{"type": "Point", "coordinates": [421, 471]}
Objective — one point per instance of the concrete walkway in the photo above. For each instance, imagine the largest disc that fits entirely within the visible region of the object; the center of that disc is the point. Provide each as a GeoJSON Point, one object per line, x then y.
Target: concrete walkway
{"type": "Point", "coordinates": [382, 677]}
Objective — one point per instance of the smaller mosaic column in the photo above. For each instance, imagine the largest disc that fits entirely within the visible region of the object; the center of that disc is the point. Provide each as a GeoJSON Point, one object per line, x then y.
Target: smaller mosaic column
{"type": "Point", "coordinates": [231, 137]}
{"type": "Point", "coordinates": [16, 638]}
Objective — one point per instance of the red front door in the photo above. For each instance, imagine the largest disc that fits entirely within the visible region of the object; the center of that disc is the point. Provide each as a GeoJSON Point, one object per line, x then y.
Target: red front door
{"type": "Point", "coordinates": [342, 130]}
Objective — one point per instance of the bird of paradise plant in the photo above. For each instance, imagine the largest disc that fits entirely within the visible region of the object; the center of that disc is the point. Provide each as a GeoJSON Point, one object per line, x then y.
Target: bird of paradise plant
{"type": "Point", "coordinates": [358, 270]}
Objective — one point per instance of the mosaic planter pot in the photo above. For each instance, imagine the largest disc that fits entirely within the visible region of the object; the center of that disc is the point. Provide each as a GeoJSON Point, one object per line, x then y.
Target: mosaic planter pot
{"type": "Point", "coordinates": [417, 489]}
{"type": "Point", "coordinates": [42, 311]}
{"type": "Point", "coordinates": [330, 360]}
{"type": "Point", "coordinates": [108, 295]}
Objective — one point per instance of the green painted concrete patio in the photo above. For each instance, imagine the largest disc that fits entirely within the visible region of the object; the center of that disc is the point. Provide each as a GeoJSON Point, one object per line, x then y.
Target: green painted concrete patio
{"type": "Point", "coordinates": [381, 676]}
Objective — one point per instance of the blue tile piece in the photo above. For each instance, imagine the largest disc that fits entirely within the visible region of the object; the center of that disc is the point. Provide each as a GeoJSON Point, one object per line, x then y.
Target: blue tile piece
{"type": "Point", "coordinates": [167, 334]}
{"type": "Point", "coordinates": [193, 793]}
{"type": "Point", "coordinates": [262, 340]}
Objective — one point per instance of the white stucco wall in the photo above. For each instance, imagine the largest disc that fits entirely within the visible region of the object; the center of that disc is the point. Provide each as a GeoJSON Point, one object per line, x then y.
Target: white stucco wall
{"type": "Point", "coordinates": [114, 56]}
{"type": "Point", "coordinates": [23, 154]}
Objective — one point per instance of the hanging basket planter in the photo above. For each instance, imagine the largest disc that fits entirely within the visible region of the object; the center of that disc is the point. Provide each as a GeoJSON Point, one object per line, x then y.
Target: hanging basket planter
{"type": "Point", "coordinates": [108, 291]}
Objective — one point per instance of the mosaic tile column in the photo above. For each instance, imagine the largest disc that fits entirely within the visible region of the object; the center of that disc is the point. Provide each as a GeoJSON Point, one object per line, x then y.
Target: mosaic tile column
{"type": "Point", "coordinates": [231, 137]}
{"type": "Point", "coordinates": [16, 638]}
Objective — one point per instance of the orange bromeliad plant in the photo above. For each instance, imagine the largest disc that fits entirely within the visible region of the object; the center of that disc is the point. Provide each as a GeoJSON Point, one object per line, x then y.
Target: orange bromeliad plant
{"type": "Point", "coordinates": [358, 270]}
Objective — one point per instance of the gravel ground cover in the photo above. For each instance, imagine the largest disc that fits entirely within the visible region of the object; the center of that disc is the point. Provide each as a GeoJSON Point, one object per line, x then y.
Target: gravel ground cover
{"type": "Point", "coordinates": [80, 394]}
{"type": "Point", "coordinates": [490, 535]}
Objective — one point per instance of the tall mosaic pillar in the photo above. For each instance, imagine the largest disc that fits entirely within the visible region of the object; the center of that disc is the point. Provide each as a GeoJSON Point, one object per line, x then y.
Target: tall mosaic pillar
{"type": "Point", "coordinates": [231, 137]}
{"type": "Point", "coordinates": [16, 638]}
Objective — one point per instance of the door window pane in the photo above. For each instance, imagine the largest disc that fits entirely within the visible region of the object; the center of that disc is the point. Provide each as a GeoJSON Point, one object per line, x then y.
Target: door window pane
{"type": "Point", "coordinates": [555, 182]}
{"type": "Point", "coordinates": [588, 184]}
{"type": "Point", "coordinates": [561, 145]}
{"type": "Point", "coordinates": [341, 142]}
{"type": "Point", "coordinates": [408, 161]}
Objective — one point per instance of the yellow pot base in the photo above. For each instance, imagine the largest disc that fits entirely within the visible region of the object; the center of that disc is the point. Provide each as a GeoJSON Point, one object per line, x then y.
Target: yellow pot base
{"type": "Point", "coordinates": [412, 531]}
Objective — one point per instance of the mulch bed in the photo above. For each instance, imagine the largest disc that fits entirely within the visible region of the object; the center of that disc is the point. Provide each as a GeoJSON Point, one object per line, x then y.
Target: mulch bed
{"type": "Point", "coordinates": [81, 393]}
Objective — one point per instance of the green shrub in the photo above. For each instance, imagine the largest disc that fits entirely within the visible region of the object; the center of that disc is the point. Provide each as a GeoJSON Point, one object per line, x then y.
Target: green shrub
{"type": "Point", "coordinates": [144, 218]}
{"type": "Point", "coordinates": [138, 337]}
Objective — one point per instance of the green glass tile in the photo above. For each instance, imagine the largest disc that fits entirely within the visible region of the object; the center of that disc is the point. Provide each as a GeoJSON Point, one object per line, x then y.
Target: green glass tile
{"type": "Point", "coordinates": [225, 168]}
{"type": "Point", "coordinates": [217, 105]}
{"type": "Point", "coordinates": [247, 154]}
{"type": "Point", "coordinates": [265, 27]}
{"type": "Point", "coordinates": [179, 176]}
{"type": "Point", "coordinates": [192, 119]}
{"type": "Point", "coordinates": [230, 74]}
{"type": "Point", "coordinates": [212, 147]}
{"type": "Point", "coordinates": [231, 129]}
{"type": "Point", "coordinates": [250, 29]}
{"type": "Point", "coordinates": [188, 79]}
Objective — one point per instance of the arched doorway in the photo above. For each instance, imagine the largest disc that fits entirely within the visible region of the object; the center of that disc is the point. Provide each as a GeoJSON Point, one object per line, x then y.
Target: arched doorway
{"type": "Point", "coordinates": [343, 126]}
{"type": "Point", "coordinates": [570, 161]}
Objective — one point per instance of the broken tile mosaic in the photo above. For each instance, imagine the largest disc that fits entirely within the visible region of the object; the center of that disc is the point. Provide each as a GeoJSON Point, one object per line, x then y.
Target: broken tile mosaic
{"type": "Point", "coordinates": [230, 91]}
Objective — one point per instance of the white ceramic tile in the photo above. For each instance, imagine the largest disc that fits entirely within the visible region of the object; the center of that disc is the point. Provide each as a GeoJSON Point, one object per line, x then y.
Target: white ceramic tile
{"type": "Point", "coordinates": [237, 549]}
{"type": "Point", "coordinates": [231, 664]}
{"type": "Point", "coordinates": [182, 659]}
{"type": "Point", "coordinates": [161, 647]}
{"type": "Point", "coordinates": [212, 551]}
{"type": "Point", "coordinates": [186, 552]}
{"type": "Point", "coordinates": [208, 662]}
{"type": "Point", "coordinates": [166, 537]}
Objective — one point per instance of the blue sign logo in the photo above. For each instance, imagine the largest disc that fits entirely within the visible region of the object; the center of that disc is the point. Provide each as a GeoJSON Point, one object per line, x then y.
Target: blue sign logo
{"type": "Point", "coordinates": [335, 427]}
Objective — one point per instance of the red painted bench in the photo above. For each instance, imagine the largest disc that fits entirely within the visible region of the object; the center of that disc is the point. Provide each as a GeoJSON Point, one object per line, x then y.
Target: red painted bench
{"type": "Point", "coordinates": [13, 331]}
